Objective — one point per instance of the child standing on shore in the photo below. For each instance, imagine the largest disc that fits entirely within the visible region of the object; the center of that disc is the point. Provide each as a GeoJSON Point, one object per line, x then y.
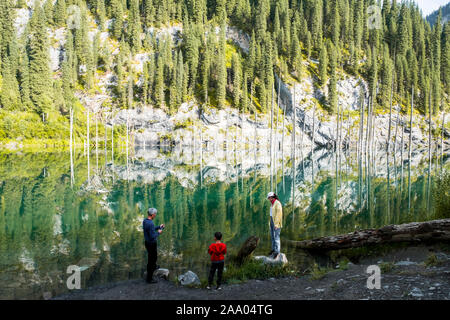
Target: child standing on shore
{"type": "Point", "coordinates": [217, 251]}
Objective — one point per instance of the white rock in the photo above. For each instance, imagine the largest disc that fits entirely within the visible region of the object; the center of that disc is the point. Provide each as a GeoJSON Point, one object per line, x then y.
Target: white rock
{"type": "Point", "coordinates": [162, 273]}
{"type": "Point", "coordinates": [189, 278]}
{"type": "Point", "coordinates": [281, 259]}
{"type": "Point", "coordinates": [416, 292]}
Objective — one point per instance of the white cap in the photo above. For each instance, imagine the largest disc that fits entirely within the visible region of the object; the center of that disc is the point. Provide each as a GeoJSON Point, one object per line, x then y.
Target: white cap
{"type": "Point", "coordinates": [270, 194]}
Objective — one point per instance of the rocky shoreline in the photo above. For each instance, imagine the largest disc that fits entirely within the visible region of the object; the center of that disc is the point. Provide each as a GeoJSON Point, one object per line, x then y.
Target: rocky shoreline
{"type": "Point", "coordinates": [412, 273]}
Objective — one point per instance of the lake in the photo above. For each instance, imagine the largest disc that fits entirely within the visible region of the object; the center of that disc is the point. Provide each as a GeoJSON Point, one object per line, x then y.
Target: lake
{"type": "Point", "coordinates": [54, 214]}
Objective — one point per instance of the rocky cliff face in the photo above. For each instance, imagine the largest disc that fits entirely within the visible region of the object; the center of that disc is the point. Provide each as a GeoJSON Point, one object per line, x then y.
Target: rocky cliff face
{"type": "Point", "coordinates": [314, 127]}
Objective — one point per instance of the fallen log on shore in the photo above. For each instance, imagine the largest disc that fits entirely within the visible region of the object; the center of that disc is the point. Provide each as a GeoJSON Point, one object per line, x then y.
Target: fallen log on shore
{"type": "Point", "coordinates": [435, 230]}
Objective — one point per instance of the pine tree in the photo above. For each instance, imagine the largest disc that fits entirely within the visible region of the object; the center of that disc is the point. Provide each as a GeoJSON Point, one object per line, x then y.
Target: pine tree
{"type": "Point", "coordinates": [9, 88]}
{"type": "Point", "coordinates": [192, 43]}
{"type": "Point", "coordinates": [317, 21]}
{"type": "Point", "coordinates": [332, 91]}
{"type": "Point", "coordinates": [40, 75]}
{"type": "Point", "coordinates": [244, 100]}
{"type": "Point", "coordinates": [159, 83]}
{"type": "Point", "coordinates": [101, 13]}
{"type": "Point", "coordinates": [323, 65]}
{"type": "Point", "coordinates": [335, 22]}
{"type": "Point", "coordinates": [48, 11]}
{"type": "Point", "coordinates": [6, 28]}
{"type": "Point", "coordinates": [386, 77]}
{"type": "Point", "coordinates": [221, 70]}
{"type": "Point", "coordinates": [24, 78]}
{"type": "Point", "coordinates": [237, 78]}
{"type": "Point", "coordinates": [180, 78]}
{"type": "Point", "coordinates": [297, 60]}
{"type": "Point", "coordinates": [60, 14]}
{"type": "Point", "coordinates": [205, 70]}
{"type": "Point", "coordinates": [445, 66]}
{"type": "Point", "coordinates": [117, 16]}
{"type": "Point", "coordinates": [134, 22]}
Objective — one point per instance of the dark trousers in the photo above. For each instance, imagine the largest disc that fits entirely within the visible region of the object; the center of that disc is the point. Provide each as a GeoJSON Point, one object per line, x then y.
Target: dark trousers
{"type": "Point", "coordinates": [152, 257]}
{"type": "Point", "coordinates": [219, 267]}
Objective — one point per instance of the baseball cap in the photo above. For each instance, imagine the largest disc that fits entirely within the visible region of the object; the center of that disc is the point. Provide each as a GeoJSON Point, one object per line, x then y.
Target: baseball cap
{"type": "Point", "coordinates": [270, 194]}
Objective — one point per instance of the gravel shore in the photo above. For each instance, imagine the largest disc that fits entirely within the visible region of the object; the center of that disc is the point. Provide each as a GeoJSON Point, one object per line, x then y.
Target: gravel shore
{"type": "Point", "coordinates": [416, 272]}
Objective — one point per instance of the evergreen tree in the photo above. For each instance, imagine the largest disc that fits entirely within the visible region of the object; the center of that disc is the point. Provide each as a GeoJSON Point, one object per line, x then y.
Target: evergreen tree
{"type": "Point", "coordinates": [323, 65]}
{"type": "Point", "coordinates": [117, 16]}
{"type": "Point", "coordinates": [180, 78]}
{"type": "Point", "coordinates": [48, 11]}
{"type": "Point", "coordinates": [40, 74]}
{"type": "Point", "coordinates": [60, 14]}
{"type": "Point", "coordinates": [134, 22]}
{"type": "Point", "coordinates": [237, 79]}
{"type": "Point", "coordinates": [221, 70]}
{"type": "Point", "coordinates": [101, 13]}
{"type": "Point", "coordinates": [159, 83]}
{"type": "Point", "coordinates": [332, 91]}
{"type": "Point", "coordinates": [445, 68]}
{"type": "Point", "coordinates": [9, 88]}
{"type": "Point", "coordinates": [386, 77]}
{"type": "Point", "coordinates": [24, 78]}
{"type": "Point", "coordinates": [317, 22]}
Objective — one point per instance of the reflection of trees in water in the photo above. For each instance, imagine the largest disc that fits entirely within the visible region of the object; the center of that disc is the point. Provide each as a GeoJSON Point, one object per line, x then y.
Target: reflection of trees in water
{"type": "Point", "coordinates": [31, 203]}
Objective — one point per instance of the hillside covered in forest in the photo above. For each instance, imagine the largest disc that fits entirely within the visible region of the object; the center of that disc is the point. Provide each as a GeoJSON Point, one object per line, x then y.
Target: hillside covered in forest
{"type": "Point", "coordinates": [102, 56]}
{"type": "Point", "coordinates": [444, 11]}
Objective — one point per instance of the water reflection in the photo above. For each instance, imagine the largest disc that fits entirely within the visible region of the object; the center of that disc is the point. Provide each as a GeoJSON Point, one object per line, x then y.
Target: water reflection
{"type": "Point", "coordinates": [57, 210]}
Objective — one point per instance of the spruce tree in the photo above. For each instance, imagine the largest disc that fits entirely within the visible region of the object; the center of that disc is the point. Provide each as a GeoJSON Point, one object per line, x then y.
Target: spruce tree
{"type": "Point", "coordinates": [332, 91]}
{"type": "Point", "coordinates": [221, 70]}
{"type": "Point", "coordinates": [134, 24]}
{"type": "Point", "coordinates": [159, 83]}
{"type": "Point", "coordinates": [9, 88]}
{"type": "Point", "coordinates": [60, 14]}
{"type": "Point", "coordinates": [237, 78]}
{"type": "Point", "coordinates": [40, 73]}
{"type": "Point", "coordinates": [24, 78]}
{"type": "Point", "coordinates": [117, 16]}
{"type": "Point", "coordinates": [323, 65]}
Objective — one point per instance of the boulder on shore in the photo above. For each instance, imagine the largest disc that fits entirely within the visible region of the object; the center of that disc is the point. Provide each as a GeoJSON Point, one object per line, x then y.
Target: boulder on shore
{"type": "Point", "coordinates": [162, 273]}
{"type": "Point", "coordinates": [189, 278]}
{"type": "Point", "coordinates": [281, 259]}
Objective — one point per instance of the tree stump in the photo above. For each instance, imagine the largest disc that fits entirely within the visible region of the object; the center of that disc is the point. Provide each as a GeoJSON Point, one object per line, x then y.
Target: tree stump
{"type": "Point", "coordinates": [246, 249]}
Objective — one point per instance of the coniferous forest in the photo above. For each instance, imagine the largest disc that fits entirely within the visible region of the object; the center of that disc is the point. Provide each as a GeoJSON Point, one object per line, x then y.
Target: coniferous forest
{"type": "Point", "coordinates": [403, 54]}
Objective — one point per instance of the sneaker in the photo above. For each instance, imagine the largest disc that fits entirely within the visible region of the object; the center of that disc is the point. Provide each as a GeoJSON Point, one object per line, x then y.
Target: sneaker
{"type": "Point", "coordinates": [208, 288]}
{"type": "Point", "coordinates": [219, 288]}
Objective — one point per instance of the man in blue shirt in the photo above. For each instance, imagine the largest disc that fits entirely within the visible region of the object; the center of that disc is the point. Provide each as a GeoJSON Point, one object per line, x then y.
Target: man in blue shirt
{"type": "Point", "coordinates": [151, 234]}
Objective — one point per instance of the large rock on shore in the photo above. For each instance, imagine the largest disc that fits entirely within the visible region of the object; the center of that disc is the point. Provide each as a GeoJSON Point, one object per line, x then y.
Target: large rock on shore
{"type": "Point", "coordinates": [281, 259]}
{"type": "Point", "coordinates": [162, 273]}
{"type": "Point", "coordinates": [189, 278]}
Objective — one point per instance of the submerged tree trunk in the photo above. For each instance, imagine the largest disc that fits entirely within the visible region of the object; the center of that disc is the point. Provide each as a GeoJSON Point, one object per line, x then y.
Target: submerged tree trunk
{"type": "Point", "coordinates": [435, 230]}
{"type": "Point", "coordinates": [247, 249]}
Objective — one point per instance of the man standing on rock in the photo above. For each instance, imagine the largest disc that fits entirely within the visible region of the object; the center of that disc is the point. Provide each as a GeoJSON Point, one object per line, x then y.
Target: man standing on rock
{"type": "Point", "coordinates": [276, 223]}
{"type": "Point", "coordinates": [151, 234]}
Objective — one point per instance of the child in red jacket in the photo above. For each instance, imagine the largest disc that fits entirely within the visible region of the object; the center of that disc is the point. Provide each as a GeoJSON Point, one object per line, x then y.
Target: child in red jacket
{"type": "Point", "coordinates": [217, 251]}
